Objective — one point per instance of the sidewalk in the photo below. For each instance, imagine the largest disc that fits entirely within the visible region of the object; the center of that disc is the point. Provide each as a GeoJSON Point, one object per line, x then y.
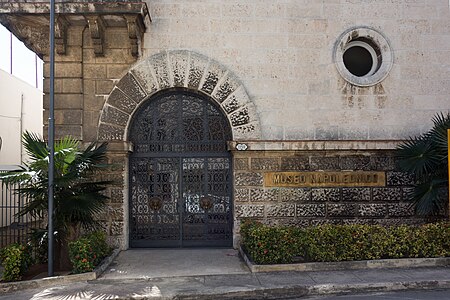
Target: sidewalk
{"type": "Point", "coordinates": [124, 280]}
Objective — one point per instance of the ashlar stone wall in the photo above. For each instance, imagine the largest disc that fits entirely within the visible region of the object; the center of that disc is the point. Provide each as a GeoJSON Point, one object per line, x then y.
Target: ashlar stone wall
{"type": "Point", "coordinates": [83, 82]}
{"type": "Point", "coordinates": [282, 51]}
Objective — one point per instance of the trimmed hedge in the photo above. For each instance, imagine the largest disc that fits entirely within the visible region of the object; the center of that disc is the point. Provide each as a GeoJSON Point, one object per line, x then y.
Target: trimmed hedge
{"type": "Point", "coordinates": [331, 243]}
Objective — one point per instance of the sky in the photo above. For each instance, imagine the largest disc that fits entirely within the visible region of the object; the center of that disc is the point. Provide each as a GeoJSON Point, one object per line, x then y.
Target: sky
{"type": "Point", "coordinates": [24, 62]}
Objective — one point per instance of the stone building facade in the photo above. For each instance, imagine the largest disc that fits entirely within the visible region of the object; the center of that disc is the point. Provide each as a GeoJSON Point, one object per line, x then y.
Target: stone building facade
{"type": "Point", "coordinates": [203, 103]}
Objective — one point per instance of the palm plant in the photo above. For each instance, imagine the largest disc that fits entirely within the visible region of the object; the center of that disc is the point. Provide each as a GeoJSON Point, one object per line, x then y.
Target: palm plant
{"type": "Point", "coordinates": [426, 157]}
{"type": "Point", "coordinates": [77, 199]}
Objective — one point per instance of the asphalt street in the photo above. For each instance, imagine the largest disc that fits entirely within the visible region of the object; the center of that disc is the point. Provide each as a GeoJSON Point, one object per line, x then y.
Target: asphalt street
{"type": "Point", "coordinates": [404, 295]}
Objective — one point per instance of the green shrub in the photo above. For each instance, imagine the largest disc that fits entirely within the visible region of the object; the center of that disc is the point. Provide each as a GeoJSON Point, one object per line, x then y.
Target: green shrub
{"type": "Point", "coordinates": [330, 243]}
{"type": "Point", "coordinates": [99, 245]}
{"type": "Point", "coordinates": [16, 259]}
{"type": "Point", "coordinates": [269, 244]}
{"type": "Point", "coordinates": [88, 251]}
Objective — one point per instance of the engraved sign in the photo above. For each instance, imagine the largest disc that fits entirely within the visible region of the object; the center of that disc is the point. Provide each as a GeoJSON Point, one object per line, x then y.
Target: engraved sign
{"type": "Point", "coordinates": [324, 179]}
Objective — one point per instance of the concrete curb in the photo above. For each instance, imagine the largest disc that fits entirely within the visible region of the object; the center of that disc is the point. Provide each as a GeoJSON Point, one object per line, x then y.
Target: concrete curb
{"type": "Point", "coordinates": [9, 287]}
{"type": "Point", "coordinates": [348, 265]}
{"type": "Point", "coordinates": [298, 291]}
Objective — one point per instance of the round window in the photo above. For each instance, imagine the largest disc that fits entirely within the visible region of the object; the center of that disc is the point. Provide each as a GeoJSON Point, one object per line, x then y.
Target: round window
{"type": "Point", "coordinates": [363, 56]}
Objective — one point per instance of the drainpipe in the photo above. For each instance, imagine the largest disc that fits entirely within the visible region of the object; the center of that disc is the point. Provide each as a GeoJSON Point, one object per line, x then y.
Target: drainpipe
{"type": "Point", "coordinates": [21, 127]}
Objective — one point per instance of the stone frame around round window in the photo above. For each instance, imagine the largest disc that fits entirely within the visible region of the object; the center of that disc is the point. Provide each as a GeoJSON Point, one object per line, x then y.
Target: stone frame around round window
{"type": "Point", "coordinates": [374, 42]}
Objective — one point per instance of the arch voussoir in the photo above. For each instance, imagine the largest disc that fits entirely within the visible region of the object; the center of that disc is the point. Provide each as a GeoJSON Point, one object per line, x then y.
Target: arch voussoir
{"type": "Point", "coordinates": [184, 69]}
{"type": "Point", "coordinates": [143, 74]}
{"type": "Point", "coordinates": [178, 63]}
{"type": "Point", "coordinates": [213, 74]}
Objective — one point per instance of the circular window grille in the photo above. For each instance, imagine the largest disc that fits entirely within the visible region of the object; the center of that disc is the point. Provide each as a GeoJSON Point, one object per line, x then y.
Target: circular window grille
{"type": "Point", "coordinates": [363, 56]}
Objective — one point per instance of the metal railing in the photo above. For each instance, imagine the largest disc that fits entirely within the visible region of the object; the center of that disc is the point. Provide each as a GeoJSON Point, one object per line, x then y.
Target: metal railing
{"type": "Point", "coordinates": [14, 228]}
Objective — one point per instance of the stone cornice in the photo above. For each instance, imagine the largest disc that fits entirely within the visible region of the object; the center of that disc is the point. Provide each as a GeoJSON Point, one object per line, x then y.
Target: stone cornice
{"type": "Point", "coordinates": [29, 21]}
{"type": "Point", "coordinates": [18, 7]}
{"type": "Point", "coordinates": [312, 145]}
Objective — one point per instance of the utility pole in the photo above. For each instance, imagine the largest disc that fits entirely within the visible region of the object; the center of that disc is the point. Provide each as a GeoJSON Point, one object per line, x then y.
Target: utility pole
{"type": "Point", "coordinates": [51, 139]}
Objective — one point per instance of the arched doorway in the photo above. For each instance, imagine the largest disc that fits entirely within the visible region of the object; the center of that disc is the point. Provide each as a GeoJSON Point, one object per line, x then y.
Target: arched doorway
{"type": "Point", "coordinates": [180, 173]}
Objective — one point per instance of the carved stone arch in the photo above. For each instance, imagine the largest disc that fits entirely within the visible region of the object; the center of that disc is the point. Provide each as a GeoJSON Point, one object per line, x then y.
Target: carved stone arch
{"type": "Point", "coordinates": [183, 69]}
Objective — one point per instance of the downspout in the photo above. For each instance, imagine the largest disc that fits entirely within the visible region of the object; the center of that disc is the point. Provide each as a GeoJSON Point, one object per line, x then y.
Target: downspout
{"type": "Point", "coordinates": [21, 127]}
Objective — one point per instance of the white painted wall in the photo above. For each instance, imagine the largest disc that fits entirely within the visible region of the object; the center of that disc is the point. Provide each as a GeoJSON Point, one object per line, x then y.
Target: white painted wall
{"type": "Point", "coordinates": [20, 110]}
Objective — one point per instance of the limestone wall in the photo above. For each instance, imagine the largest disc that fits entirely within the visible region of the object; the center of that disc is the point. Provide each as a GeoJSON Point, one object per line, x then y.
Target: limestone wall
{"type": "Point", "coordinates": [296, 205]}
{"type": "Point", "coordinates": [282, 51]}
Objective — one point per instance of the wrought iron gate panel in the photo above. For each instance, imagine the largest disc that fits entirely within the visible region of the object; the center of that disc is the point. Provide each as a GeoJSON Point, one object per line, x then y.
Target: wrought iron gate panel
{"type": "Point", "coordinates": [207, 200]}
{"type": "Point", "coordinates": [180, 173]}
{"type": "Point", "coordinates": [154, 193]}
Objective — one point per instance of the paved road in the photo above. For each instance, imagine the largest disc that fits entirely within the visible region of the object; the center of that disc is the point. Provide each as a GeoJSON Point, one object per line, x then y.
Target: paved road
{"type": "Point", "coordinates": [407, 295]}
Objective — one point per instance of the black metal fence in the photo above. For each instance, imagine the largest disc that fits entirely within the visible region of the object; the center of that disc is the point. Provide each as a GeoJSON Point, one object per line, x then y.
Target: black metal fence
{"type": "Point", "coordinates": [13, 226]}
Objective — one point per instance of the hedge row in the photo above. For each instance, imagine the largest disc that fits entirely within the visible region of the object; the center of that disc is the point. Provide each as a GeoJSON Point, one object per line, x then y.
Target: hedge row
{"type": "Point", "coordinates": [331, 243]}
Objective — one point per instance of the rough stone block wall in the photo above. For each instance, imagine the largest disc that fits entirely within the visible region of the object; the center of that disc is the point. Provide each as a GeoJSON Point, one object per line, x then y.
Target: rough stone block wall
{"type": "Point", "coordinates": [82, 83]}
{"type": "Point", "coordinates": [304, 206]}
{"type": "Point", "coordinates": [84, 80]}
{"type": "Point", "coordinates": [69, 102]}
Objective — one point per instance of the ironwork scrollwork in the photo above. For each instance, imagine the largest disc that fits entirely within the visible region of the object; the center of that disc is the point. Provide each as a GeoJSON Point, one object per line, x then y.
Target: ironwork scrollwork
{"type": "Point", "coordinates": [180, 173]}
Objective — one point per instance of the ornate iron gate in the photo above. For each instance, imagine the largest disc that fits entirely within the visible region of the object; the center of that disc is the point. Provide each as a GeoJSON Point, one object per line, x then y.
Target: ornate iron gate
{"type": "Point", "coordinates": [180, 173]}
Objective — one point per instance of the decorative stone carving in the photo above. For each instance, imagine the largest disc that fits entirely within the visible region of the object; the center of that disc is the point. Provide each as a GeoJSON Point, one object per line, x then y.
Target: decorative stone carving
{"type": "Point", "coordinates": [112, 115]}
{"type": "Point", "coordinates": [326, 194]}
{"type": "Point", "coordinates": [212, 75]}
{"type": "Point", "coordinates": [116, 195]}
{"type": "Point", "coordinates": [265, 163]}
{"type": "Point", "coordinates": [61, 26]}
{"type": "Point", "coordinates": [197, 66]}
{"type": "Point", "coordinates": [29, 21]}
{"type": "Point", "coordinates": [35, 35]}
{"type": "Point", "coordinates": [399, 178]}
{"type": "Point", "coordinates": [119, 100]}
{"type": "Point", "coordinates": [384, 163]}
{"type": "Point", "coordinates": [241, 195]}
{"type": "Point", "coordinates": [136, 29]}
{"type": "Point", "coordinates": [97, 30]}
{"type": "Point", "coordinates": [342, 210]}
{"type": "Point", "coordinates": [311, 210]}
{"type": "Point", "coordinates": [266, 195]}
{"type": "Point", "coordinates": [295, 163]}
{"type": "Point", "coordinates": [248, 179]}
{"type": "Point", "coordinates": [325, 163]}
{"type": "Point", "coordinates": [355, 163]}
{"type": "Point", "coordinates": [178, 63]}
{"type": "Point", "coordinates": [110, 132]}
{"type": "Point", "coordinates": [131, 88]}
{"type": "Point", "coordinates": [116, 228]}
{"type": "Point", "coordinates": [142, 72]}
{"type": "Point", "coordinates": [247, 211]}
{"type": "Point", "coordinates": [355, 194]}
{"type": "Point", "coordinates": [372, 210]}
{"type": "Point", "coordinates": [400, 210]}
{"type": "Point", "coordinates": [194, 71]}
{"type": "Point", "coordinates": [280, 210]}
{"type": "Point", "coordinates": [387, 194]}
{"type": "Point", "coordinates": [241, 164]}
{"type": "Point", "coordinates": [225, 88]}
{"type": "Point", "coordinates": [295, 194]}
